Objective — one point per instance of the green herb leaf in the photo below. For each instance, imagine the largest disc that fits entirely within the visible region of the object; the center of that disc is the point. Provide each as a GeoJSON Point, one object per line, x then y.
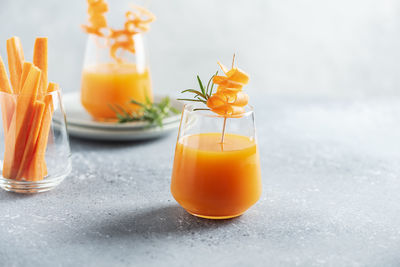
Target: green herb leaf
{"type": "Point", "coordinates": [208, 85]}
{"type": "Point", "coordinates": [201, 109]}
{"type": "Point", "coordinates": [195, 92]}
{"type": "Point", "coordinates": [154, 113]}
{"type": "Point", "coordinates": [201, 85]}
{"type": "Point", "coordinates": [203, 94]}
{"type": "Point", "coordinates": [212, 85]}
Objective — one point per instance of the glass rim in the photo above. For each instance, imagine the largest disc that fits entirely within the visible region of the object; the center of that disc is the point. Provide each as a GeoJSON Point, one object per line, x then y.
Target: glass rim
{"type": "Point", "coordinates": [189, 107]}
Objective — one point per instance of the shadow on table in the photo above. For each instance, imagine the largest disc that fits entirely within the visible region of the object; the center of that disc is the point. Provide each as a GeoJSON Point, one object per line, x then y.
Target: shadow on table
{"type": "Point", "coordinates": [161, 221]}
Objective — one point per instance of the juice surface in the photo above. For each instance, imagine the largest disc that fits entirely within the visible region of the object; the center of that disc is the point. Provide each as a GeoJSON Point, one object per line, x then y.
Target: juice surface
{"type": "Point", "coordinates": [214, 180]}
{"type": "Point", "coordinates": [113, 83]}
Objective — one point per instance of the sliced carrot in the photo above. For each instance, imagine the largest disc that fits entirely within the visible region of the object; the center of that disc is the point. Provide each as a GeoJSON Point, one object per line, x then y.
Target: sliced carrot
{"type": "Point", "coordinates": [48, 134]}
{"type": "Point", "coordinates": [15, 61]}
{"type": "Point", "coordinates": [229, 99]}
{"type": "Point", "coordinates": [26, 67]}
{"type": "Point", "coordinates": [45, 131]}
{"type": "Point", "coordinates": [20, 123]}
{"type": "Point", "coordinates": [18, 133]}
{"type": "Point", "coordinates": [37, 168]}
{"type": "Point", "coordinates": [237, 75]}
{"type": "Point", "coordinates": [44, 167]}
{"type": "Point", "coordinates": [28, 93]}
{"type": "Point", "coordinates": [241, 99]}
{"type": "Point", "coordinates": [40, 61]}
{"type": "Point", "coordinates": [27, 117]}
{"type": "Point", "coordinates": [4, 81]}
{"type": "Point", "coordinates": [7, 101]}
{"type": "Point", "coordinates": [29, 148]}
{"type": "Point", "coordinates": [9, 148]}
{"type": "Point", "coordinates": [53, 87]}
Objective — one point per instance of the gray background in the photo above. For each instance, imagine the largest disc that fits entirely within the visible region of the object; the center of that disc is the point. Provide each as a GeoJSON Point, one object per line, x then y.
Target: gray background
{"type": "Point", "coordinates": [341, 47]}
{"type": "Point", "coordinates": [324, 83]}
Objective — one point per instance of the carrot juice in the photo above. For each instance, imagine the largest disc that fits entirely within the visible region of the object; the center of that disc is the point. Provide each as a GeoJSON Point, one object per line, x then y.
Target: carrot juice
{"type": "Point", "coordinates": [113, 84]}
{"type": "Point", "coordinates": [214, 180]}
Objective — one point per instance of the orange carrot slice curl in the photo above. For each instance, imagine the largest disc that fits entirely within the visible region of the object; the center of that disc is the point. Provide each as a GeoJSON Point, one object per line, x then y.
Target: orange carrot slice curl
{"type": "Point", "coordinates": [137, 21]}
{"type": "Point", "coordinates": [229, 100]}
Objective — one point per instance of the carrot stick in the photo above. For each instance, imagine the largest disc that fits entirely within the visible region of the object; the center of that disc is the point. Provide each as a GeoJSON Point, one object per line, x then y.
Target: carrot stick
{"type": "Point", "coordinates": [27, 118]}
{"type": "Point", "coordinates": [4, 81]}
{"type": "Point", "coordinates": [32, 77]}
{"type": "Point", "coordinates": [53, 87]}
{"type": "Point", "coordinates": [45, 131]}
{"type": "Point", "coordinates": [15, 61]}
{"type": "Point", "coordinates": [7, 110]}
{"type": "Point", "coordinates": [26, 67]}
{"type": "Point", "coordinates": [40, 61]}
{"type": "Point", "coordinates": [37, 168]}
{"type": "Point", "coordinates": [32, 138]}
{"type": "Point", "coordinates": [21, 124]}
{"type": "Point", "coordinates": [9, 149]}
{"type": "Point", "coordinates": [7, 100]}
{"type": "Point", "coordinates": [28, 92]}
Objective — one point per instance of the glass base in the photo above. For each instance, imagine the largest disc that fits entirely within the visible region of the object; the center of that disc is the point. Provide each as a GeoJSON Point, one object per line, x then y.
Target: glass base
{"type": "Point", "coordinates": [31, 187]}
{"type": "Point", "coordinates": [215, 217]}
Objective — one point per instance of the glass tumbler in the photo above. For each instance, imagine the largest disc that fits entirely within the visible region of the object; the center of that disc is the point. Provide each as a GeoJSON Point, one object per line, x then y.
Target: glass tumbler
{"type": "Point", "coordinates": [114, 81]}
{"type": "Point", "coordinates": [214, 179]}
{"type": "Point", "coordinates": [34, 145]}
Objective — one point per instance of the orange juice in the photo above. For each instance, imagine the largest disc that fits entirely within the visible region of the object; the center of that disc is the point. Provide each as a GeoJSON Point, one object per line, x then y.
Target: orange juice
{"type": "Point", "coordinates": [215, 180]}
{"type": "Point", "coordinates": [113, 84]}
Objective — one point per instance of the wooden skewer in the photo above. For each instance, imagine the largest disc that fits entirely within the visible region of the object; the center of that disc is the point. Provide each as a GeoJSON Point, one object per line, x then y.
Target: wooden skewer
{"type": "Point", "coordinates": [223, 131]}
{"type": "Point", "coordinates": [224, 126]}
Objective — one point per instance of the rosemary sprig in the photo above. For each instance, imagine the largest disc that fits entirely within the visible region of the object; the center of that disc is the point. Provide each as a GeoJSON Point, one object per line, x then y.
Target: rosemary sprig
{"type": "Point", "coordinates": [154, 113]}
{"type": "Point", "coordinates": [201, 95]}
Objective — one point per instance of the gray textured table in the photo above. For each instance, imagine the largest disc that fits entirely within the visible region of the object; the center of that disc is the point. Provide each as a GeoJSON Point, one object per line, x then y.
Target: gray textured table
{"type": "Point", "coordinates": [331, 183]}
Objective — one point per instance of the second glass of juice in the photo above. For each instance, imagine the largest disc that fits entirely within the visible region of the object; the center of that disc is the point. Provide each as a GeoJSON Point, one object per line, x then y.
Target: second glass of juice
{"type": "Point", "coordinates": [211, 179]}
{"type": "Point", "coordinates": [107, 82]}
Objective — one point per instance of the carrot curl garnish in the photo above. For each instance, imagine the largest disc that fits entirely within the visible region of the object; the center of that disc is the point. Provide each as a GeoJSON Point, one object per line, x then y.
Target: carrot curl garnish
{"type": "Point", "coordinates": [137, 21]}
{"type": "Point", "coordinates": [97, 20]}
{"type": "Point", "coordinates": [229, 100]}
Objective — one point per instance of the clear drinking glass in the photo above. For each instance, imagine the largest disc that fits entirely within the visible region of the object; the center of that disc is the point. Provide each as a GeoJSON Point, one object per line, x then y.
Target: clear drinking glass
{"type": "Point", "coordinates": [34, 149]}
{"type": "Point", "coordinates": [106, 81]}
{"type": "Point", "coordinates": [211, 179]}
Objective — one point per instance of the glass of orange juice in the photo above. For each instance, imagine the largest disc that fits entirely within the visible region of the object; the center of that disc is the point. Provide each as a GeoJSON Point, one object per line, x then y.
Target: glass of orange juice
{"type": "Point", "coordinates": [211, 179]}
{"type": "Point", "coordinates": [107, 81]}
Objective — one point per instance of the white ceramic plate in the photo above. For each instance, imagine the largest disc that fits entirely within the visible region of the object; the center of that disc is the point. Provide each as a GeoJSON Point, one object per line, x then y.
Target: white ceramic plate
{"type": "Point", "coordinates": [121, 134]}
{"type": "Point", "coordinates": [78, 117]}
{"type": "Point", "coordinates": [80, 123]}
